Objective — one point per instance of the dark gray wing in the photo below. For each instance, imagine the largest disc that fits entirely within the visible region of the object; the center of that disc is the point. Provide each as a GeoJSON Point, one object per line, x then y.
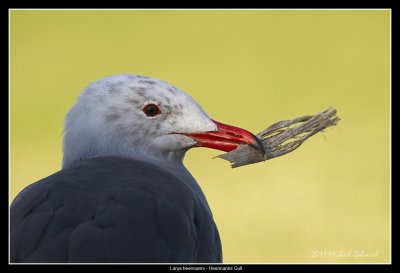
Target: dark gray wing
{"type": "Point", "coordinates": [110, 209]}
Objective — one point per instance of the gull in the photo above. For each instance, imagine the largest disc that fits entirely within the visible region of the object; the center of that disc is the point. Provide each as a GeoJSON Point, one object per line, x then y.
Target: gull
{"type": "Point", "coordinates": [123, 194]}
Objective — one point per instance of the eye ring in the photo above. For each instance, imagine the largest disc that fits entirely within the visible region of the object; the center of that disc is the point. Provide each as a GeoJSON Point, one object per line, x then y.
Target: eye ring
{"type": "Point", "coordinates": [151, 110]}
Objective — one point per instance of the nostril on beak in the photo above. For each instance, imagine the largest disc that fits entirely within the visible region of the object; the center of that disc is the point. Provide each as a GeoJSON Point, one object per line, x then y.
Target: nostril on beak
{"type": "Point", "coordinates": [234, 134]}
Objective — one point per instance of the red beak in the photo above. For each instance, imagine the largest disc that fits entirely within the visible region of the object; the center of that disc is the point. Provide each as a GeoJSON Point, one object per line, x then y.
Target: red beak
{"type": "Point", "coordinates": [227, 138]}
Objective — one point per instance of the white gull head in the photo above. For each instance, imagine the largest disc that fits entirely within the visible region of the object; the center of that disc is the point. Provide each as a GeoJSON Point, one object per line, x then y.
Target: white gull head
{"type": "Point", "coordinates": [143, 118]}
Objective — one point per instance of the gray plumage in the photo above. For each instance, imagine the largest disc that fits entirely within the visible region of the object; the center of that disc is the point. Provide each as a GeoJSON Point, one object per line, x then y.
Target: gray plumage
{"type": "Point", "coordinates": [112, 209]}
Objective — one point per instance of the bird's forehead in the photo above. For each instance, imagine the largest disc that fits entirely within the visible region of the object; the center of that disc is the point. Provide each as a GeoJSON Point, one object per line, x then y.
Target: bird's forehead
{"type": "Point", "coordinates": [136, 89]}
{"type": "Point", "coordinates": [125, 92]}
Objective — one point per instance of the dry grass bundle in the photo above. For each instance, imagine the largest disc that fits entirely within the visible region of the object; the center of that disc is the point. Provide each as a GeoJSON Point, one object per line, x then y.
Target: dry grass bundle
{"type": "Point", "coordinates": [282, 137]}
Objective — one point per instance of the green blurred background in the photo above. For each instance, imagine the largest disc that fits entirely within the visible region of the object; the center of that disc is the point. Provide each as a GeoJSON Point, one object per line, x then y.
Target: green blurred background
{"type": "Point", "coordinates": [248, 68]}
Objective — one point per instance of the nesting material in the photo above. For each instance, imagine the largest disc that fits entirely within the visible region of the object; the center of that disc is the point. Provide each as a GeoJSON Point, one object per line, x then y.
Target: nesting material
{"type": "Point", "coordinates": [282, 138]}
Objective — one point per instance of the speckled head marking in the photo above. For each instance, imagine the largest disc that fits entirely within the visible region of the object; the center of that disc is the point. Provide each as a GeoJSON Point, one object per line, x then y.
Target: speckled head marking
{"type": "Point", "coordinates": [147, 81]}
{"type": "Point", "coordinates": [108, 119]}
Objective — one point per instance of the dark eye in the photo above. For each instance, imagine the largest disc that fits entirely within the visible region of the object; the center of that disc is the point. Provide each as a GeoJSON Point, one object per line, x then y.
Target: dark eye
{"type": "Point", "coordinates": [151, 110]}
